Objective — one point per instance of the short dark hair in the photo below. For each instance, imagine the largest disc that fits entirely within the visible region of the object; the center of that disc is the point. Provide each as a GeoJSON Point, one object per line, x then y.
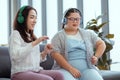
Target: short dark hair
{"type": "Point", "coordinates": [68, 12]}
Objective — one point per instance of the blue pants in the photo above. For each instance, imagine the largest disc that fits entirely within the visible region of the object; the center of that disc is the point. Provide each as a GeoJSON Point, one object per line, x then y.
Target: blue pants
{"type": "Point", "coordinates": [88, 74]}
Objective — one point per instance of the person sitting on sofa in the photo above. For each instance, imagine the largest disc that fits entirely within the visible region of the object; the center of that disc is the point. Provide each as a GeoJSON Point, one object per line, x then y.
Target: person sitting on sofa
{"type": "Point", "coordinates": [24, 49]}
{"type": "Point", "coordinates": [74, 49]}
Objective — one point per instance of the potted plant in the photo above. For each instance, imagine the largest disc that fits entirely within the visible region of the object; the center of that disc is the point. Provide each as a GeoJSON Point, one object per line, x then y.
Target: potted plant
{"type": "Point", "coordinates": [103, 62]}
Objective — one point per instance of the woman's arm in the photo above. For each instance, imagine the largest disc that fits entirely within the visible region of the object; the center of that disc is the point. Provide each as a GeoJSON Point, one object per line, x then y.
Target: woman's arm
{"type": "Point", "coordinates": [40, 39]}
{"type": "Point", "coordinates": [17, 51]}
{"type": "Point", "coordinates": [100, 48]}
{"type": "Point", "coordinates": [58, 42]}
{"type": "Point", "coordinates": [62, 62]}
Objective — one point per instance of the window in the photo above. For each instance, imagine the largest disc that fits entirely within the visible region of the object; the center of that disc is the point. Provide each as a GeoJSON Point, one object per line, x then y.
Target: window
{"type": "Point", "coordinates": [38, 26]}
{"type": "Point", "coordinates": [114, 15]}
{"type": "Point", "coordinates": [52, 21]}
{"type": "Point", "coordinates": [69, 4]}
{"type": "Point", "coordinates": [4, 22]}
{"type": "Point", "coordinates": [24, 2]}
{"type": "Point", "coordinates": [92, 9]}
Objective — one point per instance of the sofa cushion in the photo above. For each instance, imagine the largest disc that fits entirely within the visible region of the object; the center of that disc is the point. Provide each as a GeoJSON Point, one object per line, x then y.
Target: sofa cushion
{"type": "Point", "coordinates": [5, 79]}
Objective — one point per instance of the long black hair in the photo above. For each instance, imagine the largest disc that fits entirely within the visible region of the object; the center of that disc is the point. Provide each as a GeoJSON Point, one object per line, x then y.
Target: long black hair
{"type": "Point", "coordinates": [22, 27]}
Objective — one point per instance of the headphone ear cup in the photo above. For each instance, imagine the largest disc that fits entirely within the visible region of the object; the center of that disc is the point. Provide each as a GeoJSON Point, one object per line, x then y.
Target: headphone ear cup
{"type": "Point", "coordinates": [20, 19]}
{"type": "Point", "coordinates": [81, 22]}
{"type": "Point", "coordinates": [65, 21]}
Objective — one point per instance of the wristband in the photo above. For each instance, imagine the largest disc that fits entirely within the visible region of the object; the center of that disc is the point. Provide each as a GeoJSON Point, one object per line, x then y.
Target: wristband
{"type": "Point", "coordinates": [97, 57]}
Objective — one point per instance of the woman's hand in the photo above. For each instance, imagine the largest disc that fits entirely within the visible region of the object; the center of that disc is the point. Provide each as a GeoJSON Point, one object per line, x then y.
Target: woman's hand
{"type": "Point", "coordinates": [94, 60]}
{"type": "Point", "coordinates": [48, 48]}
{"type": "Point", "coordinates": [43, 38]}
{"type": "Point", "coordinates": [75, 72]}
{"type": "Point", "coordinates": [40, 39]}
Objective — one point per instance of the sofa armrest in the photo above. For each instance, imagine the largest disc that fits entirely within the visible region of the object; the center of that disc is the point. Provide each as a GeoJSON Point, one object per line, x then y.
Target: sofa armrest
{"type": "Point", "coordinates": [5, 64]}
{"type": "Point", "coordinates": [110, 75]}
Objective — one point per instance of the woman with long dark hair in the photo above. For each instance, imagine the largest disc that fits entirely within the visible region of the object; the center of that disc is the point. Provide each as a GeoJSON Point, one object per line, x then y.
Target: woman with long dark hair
{"type": "Point", "coordinates": [24, 49]}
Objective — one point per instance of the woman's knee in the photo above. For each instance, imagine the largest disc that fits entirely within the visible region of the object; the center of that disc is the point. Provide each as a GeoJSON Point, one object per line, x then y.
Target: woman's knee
{"type": "Point", "coordinates": [91, 74]}
{"type": "Point", "coordinates": [67, 75]}
{"type": "Point", "coordinates": [30, 76]}
{"type": "Point", "coordinates": [59, 76]}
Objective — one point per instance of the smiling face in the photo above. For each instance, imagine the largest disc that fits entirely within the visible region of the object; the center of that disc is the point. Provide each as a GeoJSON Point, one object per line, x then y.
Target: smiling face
{"type": "Point", "coordinates": [31, 20]}
{"type": "Point", "coordinates": [73, 21]}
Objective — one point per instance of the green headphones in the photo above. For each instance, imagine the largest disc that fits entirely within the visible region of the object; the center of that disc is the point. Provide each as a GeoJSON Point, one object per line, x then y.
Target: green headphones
{"type": "Point", "coordinates": [20, 18]}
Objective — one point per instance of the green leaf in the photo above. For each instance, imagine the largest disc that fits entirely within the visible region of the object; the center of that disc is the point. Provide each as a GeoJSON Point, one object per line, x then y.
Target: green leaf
{"type": "Point", "coordinates": [102, 25]}
{"type": "Point", "coordinates": [109, 36]}
{"type": "Point", "coordinates": [103, 62]}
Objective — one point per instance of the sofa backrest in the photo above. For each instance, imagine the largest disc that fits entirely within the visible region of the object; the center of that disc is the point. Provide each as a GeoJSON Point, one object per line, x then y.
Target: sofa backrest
{"type": "Point", "coordinates": [5, 64]}
{"type": "Point", "coordinates": [49, 62]}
